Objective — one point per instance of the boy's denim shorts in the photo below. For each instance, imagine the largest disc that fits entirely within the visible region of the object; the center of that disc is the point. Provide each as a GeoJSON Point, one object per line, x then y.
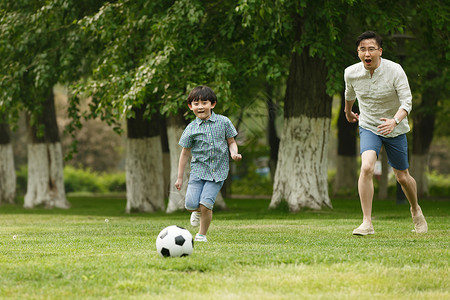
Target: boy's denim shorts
{"type": "Point", "coordinates": [396, 147]}
{"type": "Point", "coordinates": [202, 192]}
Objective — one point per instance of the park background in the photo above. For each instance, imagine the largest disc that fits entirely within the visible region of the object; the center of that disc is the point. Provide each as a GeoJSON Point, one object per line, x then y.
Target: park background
{"type": "Point", "coordinates": [92, 104]}
{"type": "Point", "coordinates": [276, 68]}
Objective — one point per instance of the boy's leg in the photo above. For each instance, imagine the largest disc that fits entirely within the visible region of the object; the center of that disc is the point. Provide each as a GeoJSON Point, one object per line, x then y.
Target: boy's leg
{"type": "Point", "coordinates": [207, 200]}
{"type": "Point", "coordinates": [205, 219]}
{"type": "Point", "coordinates": [192, 200]}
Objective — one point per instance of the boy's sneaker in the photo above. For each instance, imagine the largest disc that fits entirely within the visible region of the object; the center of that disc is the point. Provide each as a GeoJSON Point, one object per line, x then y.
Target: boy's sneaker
{"type": "Point", "coordinates": [195, 218]}
{"type": "Point", "coordinates": [364, 229]}
{"type": "Point", "coordinates": [200, 238]}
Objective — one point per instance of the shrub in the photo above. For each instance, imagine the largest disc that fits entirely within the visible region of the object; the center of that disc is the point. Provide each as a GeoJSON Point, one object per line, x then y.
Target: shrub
{"type": "Point", "coordinates": [79, 180]}
{"type": "Point", "coordinates": [114, 182]}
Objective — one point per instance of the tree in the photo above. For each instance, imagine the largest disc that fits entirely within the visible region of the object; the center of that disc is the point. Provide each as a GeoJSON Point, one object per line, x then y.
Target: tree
{"type": "Point", "coordinates": [38, 48]}
{"type": "Point", "coordinates": [308, 31]}
{"type": "Point", "coordinates": [346, 176]}
{"type": "Point", "coordinates": [158, 48]}
{"type": "Point", "coordinates": [7, 171]}
{"type": "Point", "coordinates": [45, 184]}
{"type": "Point", "coordinates": [426, 62]}
{"type": "Point", "coordinates": [144, 163]}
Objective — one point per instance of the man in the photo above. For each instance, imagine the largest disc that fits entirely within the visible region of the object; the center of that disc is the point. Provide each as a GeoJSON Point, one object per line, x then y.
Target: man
{"type": "Point", "coordinates": [385, 100]}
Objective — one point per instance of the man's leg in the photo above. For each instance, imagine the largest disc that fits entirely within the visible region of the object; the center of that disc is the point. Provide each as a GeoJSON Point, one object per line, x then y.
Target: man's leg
{"type": "Point", "coordinates": [409, 187]}
{"type": "Point", "coordinates": [365, 184]}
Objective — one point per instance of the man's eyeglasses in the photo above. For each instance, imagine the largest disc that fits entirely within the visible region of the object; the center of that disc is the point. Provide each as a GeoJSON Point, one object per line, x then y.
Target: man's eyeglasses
{"type": "Point", "coordinates": [371, 50]}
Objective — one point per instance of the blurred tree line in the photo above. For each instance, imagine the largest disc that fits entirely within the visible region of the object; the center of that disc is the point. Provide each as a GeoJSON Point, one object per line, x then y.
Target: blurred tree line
{"type": "Point", "coordinates": [136, 60]}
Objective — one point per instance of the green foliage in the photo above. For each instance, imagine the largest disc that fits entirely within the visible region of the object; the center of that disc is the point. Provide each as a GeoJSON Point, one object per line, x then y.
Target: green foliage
{"type": "Point", "coordinates": [252, 183]}
{"type": "Point", "coordinates": [78, 180]}
{"type": "Point", "coordinates": [81, 181]}
{"type": "Point", "coordinates": [439, 184]}
{"type": "Point", "coordinates": [114, 182]}
{"type": "Point", "coordinates": [38, 48]}
{"type": "Point", "coordinates": [251, 253]}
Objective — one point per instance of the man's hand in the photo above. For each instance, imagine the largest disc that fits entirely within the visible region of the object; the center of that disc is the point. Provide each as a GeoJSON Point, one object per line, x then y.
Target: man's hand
{"type": "Point", "coordinates": [351, 116]}
{"type": "Point", "coordinates": [387, 127]}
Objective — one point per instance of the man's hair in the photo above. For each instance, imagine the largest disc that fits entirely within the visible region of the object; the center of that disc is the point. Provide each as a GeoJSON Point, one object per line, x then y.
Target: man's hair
{"type": "Point", "coordinates": [370, 35]}
{"type": "Point", "coordinates": [202, 93]}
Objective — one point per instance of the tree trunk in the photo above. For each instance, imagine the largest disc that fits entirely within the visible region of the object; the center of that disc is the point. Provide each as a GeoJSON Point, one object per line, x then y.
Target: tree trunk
{"type": "Point", "coordinates": [274, 140]}
{"type": "Point", "coordinates": [301, 175]}
{"type": "Point", "coordinates": [175, 127]}
{"type": "Point", "coordinates": [423, 130]}
{"type": "Point", "coordinates": [144, 164]}
{"type": "Point", "coordinates": [166, 157]}
{"type": "Point", "coordinates": [45, 184]}
{"type": "Point", "coordinates": [419, 169]}
{"type": "Point", "coordinates": [384, 178]}
{"type": "Point", "coordinates": [7, 171]}
{"type": "Point", "coordinates": [346, 178]}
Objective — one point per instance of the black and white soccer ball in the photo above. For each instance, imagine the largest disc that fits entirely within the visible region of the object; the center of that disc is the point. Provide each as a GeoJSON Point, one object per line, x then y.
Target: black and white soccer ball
{"type": "Point", "coordinates": [174, 241]}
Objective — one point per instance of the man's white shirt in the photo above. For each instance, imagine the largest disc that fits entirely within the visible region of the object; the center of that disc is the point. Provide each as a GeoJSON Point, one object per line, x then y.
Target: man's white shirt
{"type": "Point", "coordinates": [380, 95]}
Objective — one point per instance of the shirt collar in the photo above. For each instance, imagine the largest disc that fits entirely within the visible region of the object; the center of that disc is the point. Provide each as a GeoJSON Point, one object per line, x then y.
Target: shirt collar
{"type": "Point", "coordinates": [212, 118]}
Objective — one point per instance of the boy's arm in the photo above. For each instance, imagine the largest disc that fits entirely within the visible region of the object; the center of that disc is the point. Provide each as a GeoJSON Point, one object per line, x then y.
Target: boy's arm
{"type": "Point", "coordinates": [184, 157]}
{"type": "Point", "coordinates": [232, 146]}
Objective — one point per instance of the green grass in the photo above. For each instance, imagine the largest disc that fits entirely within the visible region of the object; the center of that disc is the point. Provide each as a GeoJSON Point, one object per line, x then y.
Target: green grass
{"type": "Point", "coordinates": [252, 253]}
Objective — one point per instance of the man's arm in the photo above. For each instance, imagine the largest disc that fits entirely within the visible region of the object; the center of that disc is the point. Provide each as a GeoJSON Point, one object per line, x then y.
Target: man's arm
{"type": "Point", "coordinates": [184, 157]}
{"type": "Point", "coordinates": [349, 114]}
{"type": "Point", "coordinates": [389, 124]}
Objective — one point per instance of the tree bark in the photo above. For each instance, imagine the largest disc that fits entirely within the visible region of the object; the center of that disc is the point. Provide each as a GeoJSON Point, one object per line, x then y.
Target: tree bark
{"type": "Point", "coordinates": [424, 121]}
{"type": "Point", "coordinates": [384, 178]}
{"type": "Point", "coordinates": [175, 128]}
{"type": "Point", "coordinates": [301, 175]}
{"type": "Point", "coordinates": [144, 164]}
{"type": "Point", "coordinates": [419, 169]}
{"type": "Point", "coordinates": [346, 178]}
{"type": "Point", "coordinates": [166, 157]}
{"type": "Point", "coordinates": [45, 185]}
{"type": "Point", "coordinates": [274, 140]}
{"type": "Point", "coordinates": [7, 170]}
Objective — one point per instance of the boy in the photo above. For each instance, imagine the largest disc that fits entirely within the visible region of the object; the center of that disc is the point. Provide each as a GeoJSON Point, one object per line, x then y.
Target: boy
{"type": "Point", "coordinates": [385, 101]}
{"type": "Point", "coordinates": [210, 139]}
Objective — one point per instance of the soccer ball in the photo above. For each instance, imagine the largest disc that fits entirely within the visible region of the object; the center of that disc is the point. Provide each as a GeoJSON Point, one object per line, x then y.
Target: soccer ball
{"type": "Point", "coordinates": [174, 241]}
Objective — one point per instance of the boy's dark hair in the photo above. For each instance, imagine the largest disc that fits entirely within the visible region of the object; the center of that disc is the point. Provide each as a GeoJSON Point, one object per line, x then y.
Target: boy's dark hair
{"type": "Point", "coordinates": [202, 92]}
{"type": "Point", "coordinates": [370, 35]}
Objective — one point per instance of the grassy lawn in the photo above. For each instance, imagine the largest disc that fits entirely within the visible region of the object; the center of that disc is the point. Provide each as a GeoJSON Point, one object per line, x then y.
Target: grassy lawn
{"type": "Point", "coordinates": [252, 253]}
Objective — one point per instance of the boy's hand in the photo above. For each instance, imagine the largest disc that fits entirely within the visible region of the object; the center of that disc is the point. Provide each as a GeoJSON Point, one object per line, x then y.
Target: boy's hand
{"type": "Point", "coordinates": [236, 157]}
{"type": "Point", "coordinates": [179, 183]}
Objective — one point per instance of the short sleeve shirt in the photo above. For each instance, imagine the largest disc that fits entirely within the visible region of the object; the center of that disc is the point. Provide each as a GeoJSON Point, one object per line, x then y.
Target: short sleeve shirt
{"type": "Point", "coordinates": [209, 146]}
{"type": "Point", "coordinates": [380, 95]}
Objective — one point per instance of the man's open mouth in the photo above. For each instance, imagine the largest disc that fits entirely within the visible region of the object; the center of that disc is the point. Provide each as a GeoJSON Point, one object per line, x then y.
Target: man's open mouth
{"type": "Point", "coordinates": [368, 60]}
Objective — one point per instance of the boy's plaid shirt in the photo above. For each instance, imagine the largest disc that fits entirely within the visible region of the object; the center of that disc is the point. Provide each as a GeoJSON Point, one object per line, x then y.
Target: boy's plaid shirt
{"type": "Point", "coordinates": [209, 146]}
